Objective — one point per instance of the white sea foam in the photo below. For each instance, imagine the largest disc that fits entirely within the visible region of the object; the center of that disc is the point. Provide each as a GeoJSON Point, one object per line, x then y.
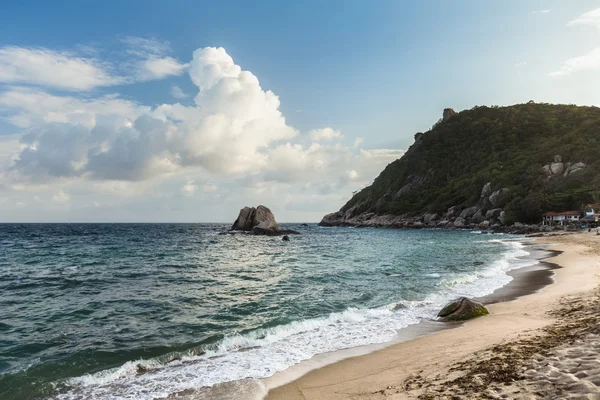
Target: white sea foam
{"type": "Point", "coordinates": [263, 352]}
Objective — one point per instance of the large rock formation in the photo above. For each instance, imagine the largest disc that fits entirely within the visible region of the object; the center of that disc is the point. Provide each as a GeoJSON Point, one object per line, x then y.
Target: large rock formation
{"type": "Point", "coordinates": [462, 309]}
{"type": "Point", "coordinates": [259, 221]}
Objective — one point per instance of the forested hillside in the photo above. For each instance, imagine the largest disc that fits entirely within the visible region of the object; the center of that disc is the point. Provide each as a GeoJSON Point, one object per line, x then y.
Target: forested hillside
{"type": "Point", "coordinates": [535, 157]}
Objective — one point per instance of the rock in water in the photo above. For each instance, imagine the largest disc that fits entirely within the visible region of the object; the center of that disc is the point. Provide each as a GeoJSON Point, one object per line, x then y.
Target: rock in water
{"type": "Point", "coordinates": [285, 238]}
{"type": "Point", "coordinates": [259, 220]}
{"type": "Point", "coordinates": [244, 219]}
{"type": "Point", "coordinates": [462, 309]}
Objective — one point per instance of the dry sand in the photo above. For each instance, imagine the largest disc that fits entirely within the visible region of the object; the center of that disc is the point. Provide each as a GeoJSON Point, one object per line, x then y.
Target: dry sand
{"type": "Point", "coordinates": [542, 345]}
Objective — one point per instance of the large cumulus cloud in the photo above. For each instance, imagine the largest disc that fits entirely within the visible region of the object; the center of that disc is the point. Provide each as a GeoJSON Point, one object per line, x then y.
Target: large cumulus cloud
{"type": "Point", "coordinates": [227, 130]}
{"type": "Point", "coordinates": [233, 133]}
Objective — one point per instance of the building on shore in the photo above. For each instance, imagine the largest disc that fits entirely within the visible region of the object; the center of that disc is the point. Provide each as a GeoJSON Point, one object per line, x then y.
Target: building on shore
{"type": "Point", "coordinates": [561, 218]}
{"type": "Point", "coordinates": [592, 209]}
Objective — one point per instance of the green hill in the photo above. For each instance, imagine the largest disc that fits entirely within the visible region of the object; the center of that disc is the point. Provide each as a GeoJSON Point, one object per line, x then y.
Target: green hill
{"type": "Point", "coordinates": [511, 148]}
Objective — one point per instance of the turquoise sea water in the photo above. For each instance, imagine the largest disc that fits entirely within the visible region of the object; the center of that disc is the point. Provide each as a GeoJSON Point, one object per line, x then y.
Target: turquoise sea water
{"type": "Point", "coordinates": [142, 311]}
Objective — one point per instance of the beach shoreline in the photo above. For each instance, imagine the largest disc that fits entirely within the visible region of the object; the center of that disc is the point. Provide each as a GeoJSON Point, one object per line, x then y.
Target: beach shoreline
{"type": "Point", "coordinates": [519, 308]}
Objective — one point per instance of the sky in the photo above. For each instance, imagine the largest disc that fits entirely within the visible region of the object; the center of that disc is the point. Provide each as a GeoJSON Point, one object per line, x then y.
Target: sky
{"type": "Point", "coordinates": [186, 111]}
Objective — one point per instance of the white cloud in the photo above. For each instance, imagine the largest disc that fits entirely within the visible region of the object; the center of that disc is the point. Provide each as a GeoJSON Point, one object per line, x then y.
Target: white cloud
{"type": "Point", "coordinates": [177, 93]}
{"type": "Point", "coordinates": [590, 18]}
{"type": "Point", "coordinates": [151, 58]}
{"type": "Point", "coordinates": [546, 11]}
{"type": "Point", "coordinates": [159, 68]}
{"type": "Point", "coordinates": [327, 166]}
{"type": "Point", "coordinates": [142, 47]}
{"type": "Point", "coordinates": [189, 188]}
{"type": "Point", "coordinates": [62, 70]}
{"type": "Point", "coordinates": [324, 134]}
{"type": "Point", "coordinates": [586, 62]}
{"type": "Point", "coordinates": [147, 59]}
{"type": "Point", "coordinates": [358, 141]}
{"type": "Point", "coordinates": [210, 188]}
{"type": "Point", "coordinates": [30, 107]}
{"type": "Point", "coordinates": [61, 197]}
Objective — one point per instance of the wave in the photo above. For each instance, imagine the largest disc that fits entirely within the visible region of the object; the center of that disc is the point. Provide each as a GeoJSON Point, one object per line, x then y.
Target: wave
{"type": "Point", "coordinates": [263, 352]}
{"type": "Point", "coordinates": [257, 354]}
{"type": "Point", "coordinates": [495, 275]}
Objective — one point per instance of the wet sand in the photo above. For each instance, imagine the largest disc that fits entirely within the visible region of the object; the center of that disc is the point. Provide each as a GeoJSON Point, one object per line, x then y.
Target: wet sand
{"type": "Point", "coordinates": [490, 357]}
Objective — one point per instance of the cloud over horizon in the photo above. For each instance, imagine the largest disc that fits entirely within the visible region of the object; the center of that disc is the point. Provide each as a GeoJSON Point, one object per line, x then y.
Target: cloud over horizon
{"type": "Point", "coordinates": [233, 133]}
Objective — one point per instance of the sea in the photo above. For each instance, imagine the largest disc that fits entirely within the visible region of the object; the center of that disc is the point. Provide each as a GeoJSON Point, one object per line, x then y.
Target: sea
{"type": "Point", "coordinates": [159, 311]}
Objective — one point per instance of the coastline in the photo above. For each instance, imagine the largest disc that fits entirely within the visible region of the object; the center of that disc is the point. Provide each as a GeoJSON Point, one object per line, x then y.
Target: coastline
{"type": "Point", "coordinates": [515, 310]}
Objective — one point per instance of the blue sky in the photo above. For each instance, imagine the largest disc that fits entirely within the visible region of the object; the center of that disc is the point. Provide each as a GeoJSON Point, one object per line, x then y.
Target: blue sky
{"type": "Point", "coordinates": [373, 73]}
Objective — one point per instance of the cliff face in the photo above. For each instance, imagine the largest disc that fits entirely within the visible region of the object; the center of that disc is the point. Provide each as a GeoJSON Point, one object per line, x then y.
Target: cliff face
{"type": "Point", "coordinates": [486, 167]}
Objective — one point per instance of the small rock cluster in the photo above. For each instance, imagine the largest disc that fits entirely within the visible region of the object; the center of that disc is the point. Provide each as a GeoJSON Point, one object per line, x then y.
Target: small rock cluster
{"type": "Point", "coordinates": [559, 168]}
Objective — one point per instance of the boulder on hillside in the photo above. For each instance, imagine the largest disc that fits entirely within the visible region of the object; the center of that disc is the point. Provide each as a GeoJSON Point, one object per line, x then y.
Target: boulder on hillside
{"type": "Point", "coordinates": [448, 113]}
{"type": "Point", "coordinates": [462, 309]}
{"type": "Point", "coordinates": [496, 197]}
{"type": "Point", "coordinates": [501, 217]}
{"type": "Point", "coordinates": [468, 212]}
{"type": "Point", "coordinates": [459, 222]}
{"type": "Point", "coordinates": [486, 191]}
{"type": "Point", "coordinates": [546, 170]}
{"type": "Point", "coordinates": [478, 217]}
{"type": "Point", "coordinates": [574, 168]}
{"type": "Point", "coordinates": [452, 211]}
{"type": "Point", "coordinates": [259, 221]}
{"type": "Point", "coordinates": [429, 217]}
{"type": "Point", "coordinates": [557, 168]}
{"type": "Point", "coordinates": [493, 213]}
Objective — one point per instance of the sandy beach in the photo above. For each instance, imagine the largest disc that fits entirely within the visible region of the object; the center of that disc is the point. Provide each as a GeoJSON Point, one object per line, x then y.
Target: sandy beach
{"type": "Point", "coordinates": [541, 345]}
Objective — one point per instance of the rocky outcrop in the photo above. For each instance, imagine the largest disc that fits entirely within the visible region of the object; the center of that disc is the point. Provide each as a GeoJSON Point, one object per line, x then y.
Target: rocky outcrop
{"type": "Point", "coordinates": [478, 217]}
{"type": "Point", "coordinates": [495, 198]}
{"type": "Point", "coordinates": [462, 309]}
{"type": "Point", "coordinates": [486, 191]}
{"type": "Point", "coordinates": [571, 169]}
{"type": "Point", "coordinates": [259, 221]}
{"type": "Point", "coordinates": [493, 213]}
{"type": "Point", "coordinates": [411, 182]}
{"type": "Point", "coordinates": [448, 113]}
{"type": "Point", "coordinates": [459, 222]}
{"type": "Point", "coordinates": [557, 167]}
{"type": "Point", "coordinates": [452, 211]}
{"type": "Point", "coordinates": [468, 212]}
